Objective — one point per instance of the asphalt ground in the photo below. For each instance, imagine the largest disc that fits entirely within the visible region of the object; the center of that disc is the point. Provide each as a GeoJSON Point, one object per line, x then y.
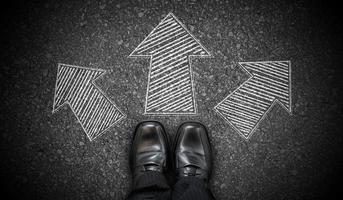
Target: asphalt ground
{"type": "Point", "coordinates": [48, 156]}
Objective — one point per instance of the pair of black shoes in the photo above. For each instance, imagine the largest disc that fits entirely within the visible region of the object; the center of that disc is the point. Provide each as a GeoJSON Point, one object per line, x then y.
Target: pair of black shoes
{"type": "Point", "coordinates": [191, 155]}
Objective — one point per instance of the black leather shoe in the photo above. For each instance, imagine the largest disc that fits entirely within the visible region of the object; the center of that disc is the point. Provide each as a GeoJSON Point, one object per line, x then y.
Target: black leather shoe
{"type": "Point", "coordinates": [192, 151]}
{"type": "Point", "coordinates": [149, 149]}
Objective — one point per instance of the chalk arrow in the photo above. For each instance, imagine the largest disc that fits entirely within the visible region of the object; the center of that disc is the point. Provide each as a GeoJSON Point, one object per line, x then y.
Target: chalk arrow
{"type": "Point", "coordinates": [170, 83]}
{"type": "Point", "coordinates": [246, 107]}
{"type": "Point", "coordinates": [93, 109]}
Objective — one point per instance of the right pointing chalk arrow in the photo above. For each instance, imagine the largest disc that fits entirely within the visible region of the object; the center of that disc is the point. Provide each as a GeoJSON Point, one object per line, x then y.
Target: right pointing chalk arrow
{"type": "Point", "coordinates": [246, 107]}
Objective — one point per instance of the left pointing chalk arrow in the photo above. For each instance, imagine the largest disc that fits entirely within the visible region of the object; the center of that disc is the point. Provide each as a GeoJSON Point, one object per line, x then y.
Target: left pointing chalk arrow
{"type": "Point", "coordinates": [94, 110]}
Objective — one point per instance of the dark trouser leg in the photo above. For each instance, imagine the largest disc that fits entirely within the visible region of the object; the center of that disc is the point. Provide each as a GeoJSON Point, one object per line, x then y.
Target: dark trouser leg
{"type": "Point", "coordinates": [151, 185]}
{"type": "Point", "coordinates": [189, 188]}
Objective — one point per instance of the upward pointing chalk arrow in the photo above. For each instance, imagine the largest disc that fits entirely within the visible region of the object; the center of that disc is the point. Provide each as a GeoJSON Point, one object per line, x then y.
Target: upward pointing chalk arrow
{"type": "Point", "coordinates": [93, 109]}
{"type": "Point", "coordinates": [170, 84]}
{"type": "Point", "coordinates": [246, 107]}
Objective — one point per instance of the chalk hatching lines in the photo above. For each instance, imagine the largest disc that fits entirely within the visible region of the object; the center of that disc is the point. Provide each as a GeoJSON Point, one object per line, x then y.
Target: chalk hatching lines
{"type": "Point", "coordinates": [245, 108]}
{"type": "Point", "coordinates": [93, 109]}
{"type": "Point", "coordinates": [170, 85]}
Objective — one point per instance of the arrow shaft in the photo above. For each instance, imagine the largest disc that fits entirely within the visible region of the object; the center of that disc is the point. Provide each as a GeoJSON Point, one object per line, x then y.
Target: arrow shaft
{"type": "Point", "coordinates": [243, 105]}
{"type": "Point", "coordinates": [98, 117]}
{"type": "Point", "coordinates": [168, 67]}
{"type": "Point", "coordinates": [232, 109]}
{"type": "Point", "coordinates": [168, 96]}
{"type": "Point", "coordinates": [182, 103]}
{"type": "Point", "coordinates": [267, 91]}
{"type": "Point", "coordinates": [171, 75]}
{"type": "Point", "coordinates": [89, 105]}
{"type": "Point", "coordinates": [173, 55]}
{"type": "Point", "coordinates": [252, 92]}
{"type": "Point", "coordinates": [101, 108]}
{"type": "Point", "coordinates": [170, 90]}
{"type": "Point", "coordinates": [249, 99]}
{"type": "Point", "coordinates": [165, 92]}
{"type": "Point", "coordinates": [83, 97]}
{"type": "Point", "coordinates": [182, 77]}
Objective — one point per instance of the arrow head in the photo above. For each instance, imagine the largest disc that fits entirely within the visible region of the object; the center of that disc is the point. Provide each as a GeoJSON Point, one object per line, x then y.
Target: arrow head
{"type": "Point", "coordinates": [169, 36]}
{"type": "Point", "coordinates": [271, 78]}
{"type": "Point", "coordinates": [70, 81]}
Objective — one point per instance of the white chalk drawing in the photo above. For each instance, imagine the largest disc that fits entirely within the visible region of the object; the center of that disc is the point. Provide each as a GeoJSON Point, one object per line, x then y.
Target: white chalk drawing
{"type": "Point", "coordinates": [247, 106]}
{"type": "Point", "coordinates": [170, 47]}
{"type": "Point", "coordinates": [94, 110]}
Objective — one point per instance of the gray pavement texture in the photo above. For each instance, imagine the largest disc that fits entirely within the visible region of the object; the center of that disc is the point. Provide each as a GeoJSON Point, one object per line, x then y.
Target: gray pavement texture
{"type": "Point", "coordinates": [48, 156]}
